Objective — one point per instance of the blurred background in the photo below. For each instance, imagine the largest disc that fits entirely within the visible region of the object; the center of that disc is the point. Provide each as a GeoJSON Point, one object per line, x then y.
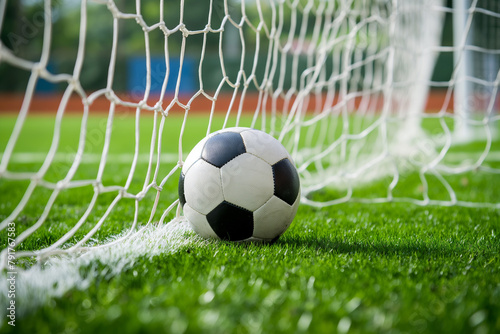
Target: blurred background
{"type": "Point", "coordinates": [22, 32]}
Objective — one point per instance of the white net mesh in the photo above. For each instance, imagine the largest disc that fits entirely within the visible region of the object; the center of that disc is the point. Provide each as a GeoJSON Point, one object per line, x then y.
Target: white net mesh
{"type": "Point", "coordinates": [343, 84]}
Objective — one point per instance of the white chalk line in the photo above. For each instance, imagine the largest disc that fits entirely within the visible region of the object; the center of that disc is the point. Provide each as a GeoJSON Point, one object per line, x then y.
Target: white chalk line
{"type": "Point", "coordinates": [38, 284]}
{"type": "Point", "coordinates": [126, 158]}
{"type": "Point", "coordinates": [89, 158]}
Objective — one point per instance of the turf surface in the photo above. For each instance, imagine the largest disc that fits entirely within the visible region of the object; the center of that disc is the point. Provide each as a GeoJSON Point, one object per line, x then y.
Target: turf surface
{"type": "Point", "coordinates": [392, 267]}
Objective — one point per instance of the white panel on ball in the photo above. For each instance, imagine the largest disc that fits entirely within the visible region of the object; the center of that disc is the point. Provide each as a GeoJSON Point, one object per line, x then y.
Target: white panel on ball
{"type": "Point", "coordinates": [194, 155]}
{"type": "Point", "coordinates": [264, 146]}
{"type": "Point", "coordinates": [198, 222]}
{"type": "Point", "coordinates": [272, 218]}
{"type": "Point", "coordinates": [235, 129]}
{"type": "Point", "coordinates": [202, 187]}
{"type": "Point", "coordinates": [247, 181]}
{"type": "Point", "coordinates": [295, 207]}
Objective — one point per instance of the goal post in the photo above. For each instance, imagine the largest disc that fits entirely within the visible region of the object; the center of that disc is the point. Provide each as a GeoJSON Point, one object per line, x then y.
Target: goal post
{"type": "Point", "coordinates": [348, 86]}
{"type": "Point", "coordinates": [475, 28]}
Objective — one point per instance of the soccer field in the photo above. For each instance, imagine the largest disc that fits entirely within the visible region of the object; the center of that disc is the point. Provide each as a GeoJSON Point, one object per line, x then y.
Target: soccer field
{"type": "Point", "coordinates": [351, 267]}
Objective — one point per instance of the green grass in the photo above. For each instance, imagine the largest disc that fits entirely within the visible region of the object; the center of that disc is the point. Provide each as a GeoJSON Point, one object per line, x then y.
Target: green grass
{"type": "Point", "coordinates": [362, 268]}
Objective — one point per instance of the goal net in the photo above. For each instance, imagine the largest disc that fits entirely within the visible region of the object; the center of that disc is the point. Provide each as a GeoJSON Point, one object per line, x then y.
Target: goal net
{"type": "Point", "coordinates": [350, 87]}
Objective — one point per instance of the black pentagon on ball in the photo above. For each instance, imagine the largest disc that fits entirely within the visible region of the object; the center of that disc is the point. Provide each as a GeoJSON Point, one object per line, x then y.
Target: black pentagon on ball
{"type": "Point", "coordinates": [230, 222]}
{"type": "Point", "coordinates": [182, 197]}
{"type": "Point", "coordinates": [222, 148]}
{"type": "Point", "coordinates": [286, 181]}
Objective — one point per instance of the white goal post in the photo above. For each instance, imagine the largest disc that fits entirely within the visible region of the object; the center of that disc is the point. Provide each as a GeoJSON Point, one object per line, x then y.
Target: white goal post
{"type": "Point", "coordinates": [346, 85]}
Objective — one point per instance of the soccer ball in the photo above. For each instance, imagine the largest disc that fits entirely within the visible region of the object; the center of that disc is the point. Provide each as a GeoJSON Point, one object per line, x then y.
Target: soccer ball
{"type": "Point", "coordinates": [239, 184]}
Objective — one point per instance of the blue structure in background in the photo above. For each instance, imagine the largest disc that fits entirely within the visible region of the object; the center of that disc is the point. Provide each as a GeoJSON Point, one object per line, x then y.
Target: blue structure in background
{"type": "Point", "coordinates": [137, 75]}
{"type": "Point", "coordinates": [46, 87]}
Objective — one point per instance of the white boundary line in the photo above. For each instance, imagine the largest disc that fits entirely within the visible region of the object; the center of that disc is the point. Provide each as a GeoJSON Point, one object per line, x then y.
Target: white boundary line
{"type": "Point", "coordinates": [126, 158]}
{"type": "Point", "coordinates": [89, 158]}
{"type": "Point", "coordinates": [38, 284]}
